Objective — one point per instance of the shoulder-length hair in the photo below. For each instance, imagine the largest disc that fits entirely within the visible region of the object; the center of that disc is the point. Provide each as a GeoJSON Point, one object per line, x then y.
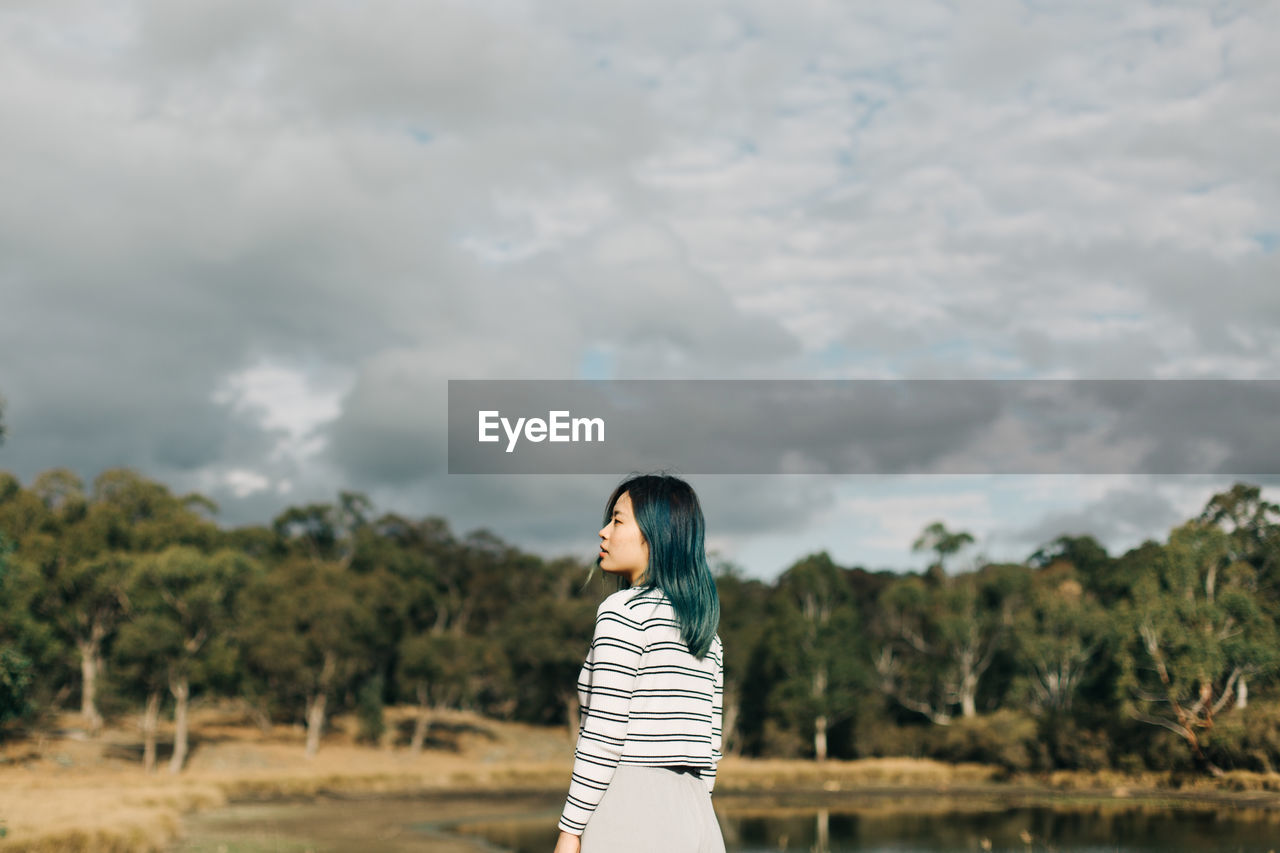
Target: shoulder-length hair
{"type": "Point", "coordinates": [670, 519]}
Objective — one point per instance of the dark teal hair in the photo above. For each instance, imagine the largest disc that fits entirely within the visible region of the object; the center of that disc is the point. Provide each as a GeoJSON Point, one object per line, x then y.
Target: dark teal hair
{"type": "Point", "coordinates": [670, 519]}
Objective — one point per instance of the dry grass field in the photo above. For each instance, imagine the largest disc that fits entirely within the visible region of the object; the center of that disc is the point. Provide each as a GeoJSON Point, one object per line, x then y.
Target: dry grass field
{"type": "Point", "coordinates": [64, 791]}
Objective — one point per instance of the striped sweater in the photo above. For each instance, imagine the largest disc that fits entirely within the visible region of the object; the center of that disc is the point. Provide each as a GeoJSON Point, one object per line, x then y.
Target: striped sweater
{"type": "Point", "coordinates": [645, 700]}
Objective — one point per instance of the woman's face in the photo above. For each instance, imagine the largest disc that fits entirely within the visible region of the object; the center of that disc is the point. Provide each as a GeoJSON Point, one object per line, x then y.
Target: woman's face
{"type": "Point", "coordinates": [623, 550]}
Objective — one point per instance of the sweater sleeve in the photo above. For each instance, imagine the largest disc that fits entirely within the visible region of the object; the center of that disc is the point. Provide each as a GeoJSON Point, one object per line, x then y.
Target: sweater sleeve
{"type": "Point", "coordinates": [717, 725]}
{"type": "Point", "coordinates": [605, 687]}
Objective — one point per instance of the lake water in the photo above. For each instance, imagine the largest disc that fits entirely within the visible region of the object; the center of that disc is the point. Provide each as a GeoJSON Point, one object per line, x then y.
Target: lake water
{"type": "Point", "coordinates": [919, 823]}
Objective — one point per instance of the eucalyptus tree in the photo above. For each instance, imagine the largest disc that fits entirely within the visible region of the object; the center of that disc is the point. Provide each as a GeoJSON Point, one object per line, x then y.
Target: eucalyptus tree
{"type": "Point", "coordinates": [544, 647]}
{"type": "Point", "coordinates": [937, 638]}
{"type": "Point", "coordinates": [1251, 523]}
{"type": "Point", "coordinates": [1090, 564]}
{"type": "Point", "coordinates": [1252, 526]}
{"type": "Point", "coordinates": [1193, 629]}
{"type": "Point", "coordinates": [76, 580]}
{"type": "Point", "coordinates": [85, 560]}
{"type": "Point", "coordinates": [15, 668]}
{"type": "Point", "coordinates": [942, 542]}
{"type": "Point", "coordinates": [140, 657]}
{"type": "Point", "coordinates": [1059, 634]}
{"type": "Point", "coordinates": [179, 636]}
{"type": "Point", "coordinates": [452, 653]}
{"type": "Point", "coordinates": [38, 659]}
{"type": "Point", "coordinates": [815, 647]}
{"type": "Point", "coordinates": [439, 668]}
{"type": "Point", "coordinates": [414, 553]}
{"type": "Point", "coordinates": [83, 597]}
{"type": "Point", "coordinates": [743, 629]}
{"type": "Point", "coordinates": [490, 628]}
{"type": "Point", "coordinates": [304, 635]}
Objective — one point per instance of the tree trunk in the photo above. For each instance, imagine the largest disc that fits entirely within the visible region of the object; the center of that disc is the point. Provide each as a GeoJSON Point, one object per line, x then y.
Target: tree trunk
{"type": "Point", "coordinates": [150, 721]}
{"type": "Point", "coordinates": [819, 695]}
{"type": "Point", "coordinates": [316, 704]}
{"type": "Point", "coordinates": [820, 737]}
{"type": "Point", "coordinates": [572, 712]}
{"type": "Point", "coordinates": [968, 684]}
{"type": "Point", "coordinates": [181, 690]}
{"type": "Point", "coordinates": [422, 723]}
{"type": "Point", "coordinates": [1242, 693]}
{"type": "Point", "coordinates": [315, 721]}
{"type": "Point", "coordinates": [729, 724]}
{"type": "Point", "coordinates": [90, 666]}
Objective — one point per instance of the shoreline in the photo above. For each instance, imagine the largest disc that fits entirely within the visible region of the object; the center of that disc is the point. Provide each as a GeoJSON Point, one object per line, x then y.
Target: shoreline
{"type": "Point", "coordinates": [449, 821]}
{"type": "Point", "coordinates": [157, 817]}
{"type": "Point", "coordinates": [74, 793]}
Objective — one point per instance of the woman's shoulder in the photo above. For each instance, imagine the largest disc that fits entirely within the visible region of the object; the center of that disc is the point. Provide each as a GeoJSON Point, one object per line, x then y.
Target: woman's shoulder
{"type": "Point", "coordinates": [637, 605]}
{"type": "Point", "coordinates": [629, 601]}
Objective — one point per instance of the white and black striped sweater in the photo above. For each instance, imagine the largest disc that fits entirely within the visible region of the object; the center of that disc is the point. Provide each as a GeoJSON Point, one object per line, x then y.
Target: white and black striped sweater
{"type": "Point", "coordinates": [645, 700]}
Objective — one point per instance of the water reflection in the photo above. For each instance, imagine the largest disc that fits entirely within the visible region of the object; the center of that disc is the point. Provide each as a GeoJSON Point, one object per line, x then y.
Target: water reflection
{"type": "Point", "coordinates": [949, 826]}
{"type": "Point", "coordinates": [915, 822]}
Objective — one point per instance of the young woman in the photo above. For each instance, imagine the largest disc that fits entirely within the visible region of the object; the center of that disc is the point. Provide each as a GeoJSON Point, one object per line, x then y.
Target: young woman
{"type": "Point", "coordinates": [652, 687]}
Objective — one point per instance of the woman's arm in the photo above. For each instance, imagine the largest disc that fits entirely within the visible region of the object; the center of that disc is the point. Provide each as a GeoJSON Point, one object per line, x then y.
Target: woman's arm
{"type": "Point", "coordinates": [568, 843]}
{"type": "Point", "coordinates": [608, 679]}
{"type": "Point", "coordinates": [717, 721]}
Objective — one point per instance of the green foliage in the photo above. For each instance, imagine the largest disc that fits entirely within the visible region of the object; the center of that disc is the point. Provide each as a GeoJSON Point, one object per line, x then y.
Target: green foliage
{"type": "Point", "coordinates": [1087, 559]}
{"type": "Point", "coordinates": [815, 652]}
{"type": "Point", "coordinates": [744, 632]}
{"type": "Point", "coordinates": [1252, 526]}
{"type": "Point", "coordinates": [15, 678]}
{"type": "Point", "coordinates": [1074, 744]}
{"type": "Point", "coordinates": [182, 611]}
{"type": "Point", "coordinates": [1043, 665]}
{"type": "Point", "coordinates": [1247, 739]}
{"type": "Point", "coordinates": [936, 639]}
{"type": "Point", "coordinates": [369, 711]}
{"type": "Point", "coordinates": [442, 668]}
{"type": "Point", "coordinates": [941, 541]}
{"type": "Point", "coordinates": [880, 736]}
{"type": "Point", "coordinates": [1193, 630]}
{"type": "Point", "coordinates": [15, 669]}
{"type": "Point", "coordinates": [543, 653]}
{"type": "Point", "coordinates": [1058, 637]}
{"type": "Point", "coordinates": [1010, 739]}
{"type": "Point", "coordinates": [128, 512]}
{"type": "Point", "coordinates": [302, 633]}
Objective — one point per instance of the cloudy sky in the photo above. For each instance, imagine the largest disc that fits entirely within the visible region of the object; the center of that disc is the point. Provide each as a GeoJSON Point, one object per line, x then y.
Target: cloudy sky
{"type": "Point", "coordinates": [244, 243]}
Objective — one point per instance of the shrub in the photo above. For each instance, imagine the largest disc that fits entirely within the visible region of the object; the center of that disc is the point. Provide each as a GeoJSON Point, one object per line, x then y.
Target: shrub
{"type": "Point", "coordinates": [1006, 738]}
{"type": "Point", "coordinates": [879, 738]}
{"type": "Point", "coordinates": [1248, 739]}
{"type": "Point", "coordinates": [1071, 744]}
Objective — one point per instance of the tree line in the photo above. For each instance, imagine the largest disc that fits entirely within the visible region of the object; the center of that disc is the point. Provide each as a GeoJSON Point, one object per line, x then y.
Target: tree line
{"type": "Point", "coordinates": [124, 598]}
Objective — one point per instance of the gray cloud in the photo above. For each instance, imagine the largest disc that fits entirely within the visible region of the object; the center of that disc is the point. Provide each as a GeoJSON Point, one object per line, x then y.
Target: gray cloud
{"type": "Point", "coordinates": [396, 194]}
{"type": "Point", "coordinates": [1119, 519]}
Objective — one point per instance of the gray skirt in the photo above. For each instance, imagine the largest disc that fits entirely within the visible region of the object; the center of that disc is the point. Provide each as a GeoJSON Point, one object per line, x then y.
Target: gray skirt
{"type": "Point", "coordinates": [652, 810]}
